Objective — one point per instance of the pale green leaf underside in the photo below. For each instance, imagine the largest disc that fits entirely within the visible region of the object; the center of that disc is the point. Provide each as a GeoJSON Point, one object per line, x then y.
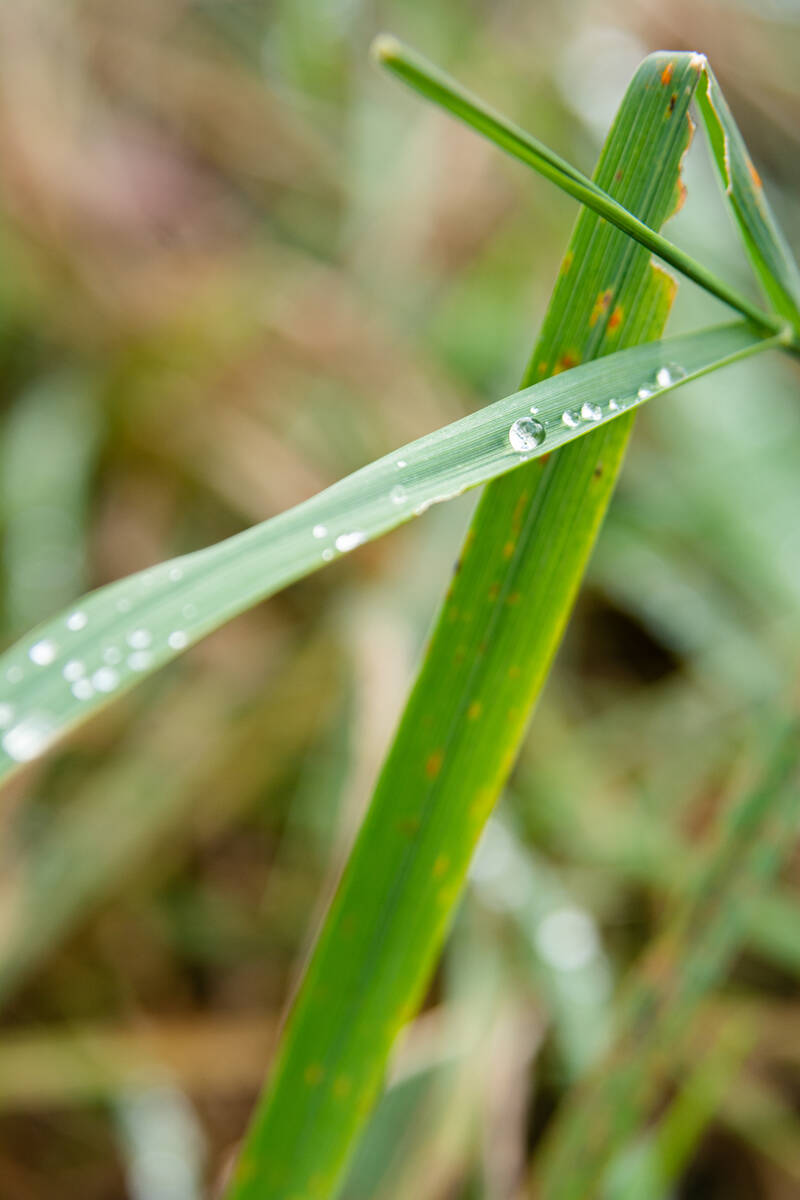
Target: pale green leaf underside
{"type": "Point", "coordinates": [56, 677]}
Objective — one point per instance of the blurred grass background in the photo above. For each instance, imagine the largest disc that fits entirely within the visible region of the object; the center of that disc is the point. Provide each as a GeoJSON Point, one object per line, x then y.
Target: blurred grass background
{"type": "Point", "coordinates": [237, 263]}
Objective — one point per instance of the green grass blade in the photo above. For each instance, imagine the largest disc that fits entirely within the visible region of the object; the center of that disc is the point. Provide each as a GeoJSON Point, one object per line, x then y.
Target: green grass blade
{"type": "Point", "coordinates": [71, 666]}
{"type": "Point", "coordinates": [662, 997]}
{"type": "Point", "coordinates": [489, 655]}
{"type": "Point", "coordinates": [436, 86]}
{"type": "Point", "coordinates": [769, 252]}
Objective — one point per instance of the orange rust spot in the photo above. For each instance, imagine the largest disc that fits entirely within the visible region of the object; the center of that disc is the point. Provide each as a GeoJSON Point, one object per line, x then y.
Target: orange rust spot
{"type": "Point", "coordinates": [615, 320]}
{"type": "Point", "coordinates": [474, 711]}
{"type": "Point", "coordinates": [542, 368]}
{"type": "Point", "coordinates": [666, 74]}
{"type": "Point", "coordinates": [618, 175]}
{"type": "Point", "coordinates": [601, 305]}
{"type": "Point", "coordinates": [513, 599]}
{"type": "Point", "coordinates": [566, 362]}
{"type": "Point", "coordinates": [441, 865]}
{"type": "Point", "coordinates": [519, 509]}
{"type": "Point", "coordinates": [543, 458]}
{"type": "Point", "coordinates": [434, 764]}
{"type": "Point", "coordinates": [508, 549]}
{"type": "Point", "coordinates": [408, 827]}
{"type": "Point", "coordinates": [494, 591]}
{"type": "Point", "coordinates": [754, 175]}
{"type": "Point", "coordinates": [567, 262]}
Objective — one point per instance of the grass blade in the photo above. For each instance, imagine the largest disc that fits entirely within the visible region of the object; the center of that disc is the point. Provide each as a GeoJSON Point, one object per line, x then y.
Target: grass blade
{"type": "Point", "coordinates": [71, 666]}
{"type": "Point", "coordinates": [436, 86]}
{"type": "Point", "coordinates": [490, 652]}
{"type": "Point", "coordinates": [769, 252]}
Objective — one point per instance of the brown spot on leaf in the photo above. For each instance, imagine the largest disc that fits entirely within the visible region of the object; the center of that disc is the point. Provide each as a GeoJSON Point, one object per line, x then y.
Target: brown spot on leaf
{"type": "Point", "coordinates": [434, 764]}
{"type": "Point", "coordinates": [618, 175]}
{"type": "Point", "coordinates": [566, 362]}
{"type": "Point", "coordinates": [567, 262]}
{"type": "Point", "coordinates": [673, 100]}
{"type": "Point", "coordinates": [615, 320]}
{"type": "Point", "coordinates": [601, 306]}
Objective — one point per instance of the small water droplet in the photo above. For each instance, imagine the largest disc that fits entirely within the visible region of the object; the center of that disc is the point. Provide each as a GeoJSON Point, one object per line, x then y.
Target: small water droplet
{"type": "Point", "coordinates": [526, 434]}
{"type": "Point", "coordinates": [177, 639]}
{"type": "Point", "coordinates": [646, 391]}
{"type": "Point", "coordinates": [327, 555]}
{"type": "Point", "coordinates": [139, 639]}
{"type": "Point", "coordinates": [105, 679]}
{"type": "Point", "coordinates": [175, 573]}
{"type": "Point", "coordinates": [6, 715]}
{"type": "Point", "coordinates": [73, 670]}
{"type": "Point", "coordinates": [591, 412]}
{"type": "Point", "coordinates": [571, 418]}
{"type": "Point", "coordinates": [401, 462]}
{"type": "Point", "coordinates": [29, 738]}
{"type": "Point", "coordinates": [112, 655]}
{"type": "Point", "coordinates": [43, 652]}
{"type": "Point", "coordinates": [398, 494]}
{"type": "Point", "coordinates": [534, 409]}
{"type": "Point", "coordinates": [123, 604]}
{"type": "Point", "coordinates": [14, 674]}
{"type": "Point", "coordinates": [82, 689]}
{"type": "Point", "coordinates": [670, 373]}
{"type": "Point", "coordinates": [189, 611]}
{"type": "Point", "coordinates": [319, 531]}
{"type": "Point", "coordinates": [613, 406]}
{"type": "Point", "coordinates": [77, 620]}
{"type": "Point", "coordinates": [148, 579]}
{"type": "Point", "coordinates": [349, 541]}
{"type": "Point", "coordinates": [140, 660]}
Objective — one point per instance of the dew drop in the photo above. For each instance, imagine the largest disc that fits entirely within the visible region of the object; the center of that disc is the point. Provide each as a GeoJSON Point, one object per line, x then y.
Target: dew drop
{"type": "Point", "coordinates": [189, 611]}
{"type": "Point", "coordinates": [534, 409]}
{"type": "Point", "coordinates": [398, 494]}
{"type": "Point", "coordinates": [401, 462]}
{"type": "Point", "coordinates": [123, 604]}
{"type": "Point", "coordinates": [82, 689]}
{"type": "Point", "coordinates": [29, 738]}
{"type": "Point", "coordinates": [112, 655]}
{"type": "Point", "coordinates": [646, 391]}
{"type": "Point", "coordinates": [105, 679]}
{"type": "Point", "coordinates": [42, 653]}
{"type": "Point", "coordinates": [670, 373]}
{"type": "Point", "coordinates": [175, 573]}
{"type": "Point", "coordinates": [571, 418]}
{"type": "Point", "coordinates": [6, 715]}
{"type": "Point", "coordinates": [327, 555]}
{"type": "Point", "coordinates": [526, 434]}
{"type": "Point", "coordinates": [140, 660]}
{"type": "Point", "coordinates": [319, 531]}
{"type": "Point", "coordinates": [14, 674]}
{"type": "Point", "coordinates": [140, 639]}
{"type": "Point", "coordinates": [77, 620]}
{"type": "Point", "coordinates": [73, 670]}
{"type": "Point", "coordinates": [177, 639]}
{"type": "Point", "coordinates": [613, 406]}
{"type": "Point", "coordinates": [349, 541]}
{"type": "Point", "coordinates": [591, 412]}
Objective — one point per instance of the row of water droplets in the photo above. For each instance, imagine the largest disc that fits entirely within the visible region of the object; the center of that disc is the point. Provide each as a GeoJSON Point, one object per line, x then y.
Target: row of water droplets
{"type": "Point", "coordinates": [529, 433]}
{"type": "Point", "coordinates": [27, 733]}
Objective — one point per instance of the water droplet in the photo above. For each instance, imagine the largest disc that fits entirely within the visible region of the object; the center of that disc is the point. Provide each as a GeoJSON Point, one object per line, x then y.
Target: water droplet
{"type": "Point", "coordinates": [148, 579]}
{"type": "Point", "coordinates": [112, 655]}
{"type": "Point", "coordinates": [327, 555]}
{"type": "Point", "coordinates": [77, 620]}
{"type": "Point", "coordinates": [123, 604]}
{"type": "Point", "coordinates": [105, 679]}
{"type": "Point", "coordinates": [534, 409]}
{"type": "Point", "coordinates": [140, 639]}
{"type": "Point", "coordinates": [175, 573]}
{"type": "Point", "coordinates": [177, 639]}
{"type": "Point", "coordinates": [398, 494]}
{"type": "Point", "coordinates": [43, 652]}
{"type": "Point", "coordinates": [189, 611]}
{"type": "Point", "coordinates": [82, 689]}
{"type": "Point", "coordinates": [670, 373]}
{"type": "Point", "coordinates": [591, 412]}
{"type": "Point", "coordinates": [571, 418]}
{"type": "Point", "coordinates": [319, 531]}
{"type": "Point", "coordinates": [29, 738]}
{"type": "Point", "coordinates": [646, 391]}
{"type": "Point", "coordinates": [73, 670]}
{"type": "Point", "coordinates": [6, 715]}
{"type": "Point", "coordinates": [613, 406]}
{"type": "Point", "coordinates": [140, 660]}
{"type": "Point", "coordinates": [567, 939]}
{"type": "Point", "coordinates": [14, 674]}
{"type": "Point", "coordinates": [349, 541]}
{"type": "Point", "coordinates": [526, 434]}
{"type": "Point", "coordinates": [401, 462]}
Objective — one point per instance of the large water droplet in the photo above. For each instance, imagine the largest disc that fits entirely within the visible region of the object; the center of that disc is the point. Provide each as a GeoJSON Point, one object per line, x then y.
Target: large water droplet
{"type": "Point", "coordinates": [105, 679]}
{"type": "Point", "coordinates": [591, 412]}
{"type": "Point", "coordinates": [77, 620]}
{"type": "Point", "coordinates": [29, 738]}
{"type": "Point", "coordinates": [43, 652]}
{"type": "Point", "coordinates": [73, 670]}
{"type": "Point", "coordinates": [526, 434]}
{"type": "Point", "coordinates": [319, 531]}
{"type": "Point", "coordinates": [571, 418]}
{"type": "Point", "coordinates": [349, 541]}
{"type": "Point", "coordinates": [177, 639]}
{"type": "Point", "coordinates": [670, 373]}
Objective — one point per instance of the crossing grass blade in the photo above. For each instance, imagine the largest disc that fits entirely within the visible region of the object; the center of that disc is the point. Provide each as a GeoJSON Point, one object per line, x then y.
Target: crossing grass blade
{"type": "Point", "coordinates": [489, 654]}
{"type": "Point", "coordinates": [656, 1012]}
{"type": "Point", "coordinates": [766, 246]}
{"type": "Point", "coordinates": [70, 667]}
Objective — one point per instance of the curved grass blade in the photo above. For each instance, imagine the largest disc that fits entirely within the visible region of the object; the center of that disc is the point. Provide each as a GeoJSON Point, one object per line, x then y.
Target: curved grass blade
{"type": "Point", "coordinates": [438, 87]}
{"type": "Point", "coordinates": [71, 666]}
{"type": "Point", "coordinates": [488, 657]}
{"type": "Point", "coordinates": [766, 246]}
